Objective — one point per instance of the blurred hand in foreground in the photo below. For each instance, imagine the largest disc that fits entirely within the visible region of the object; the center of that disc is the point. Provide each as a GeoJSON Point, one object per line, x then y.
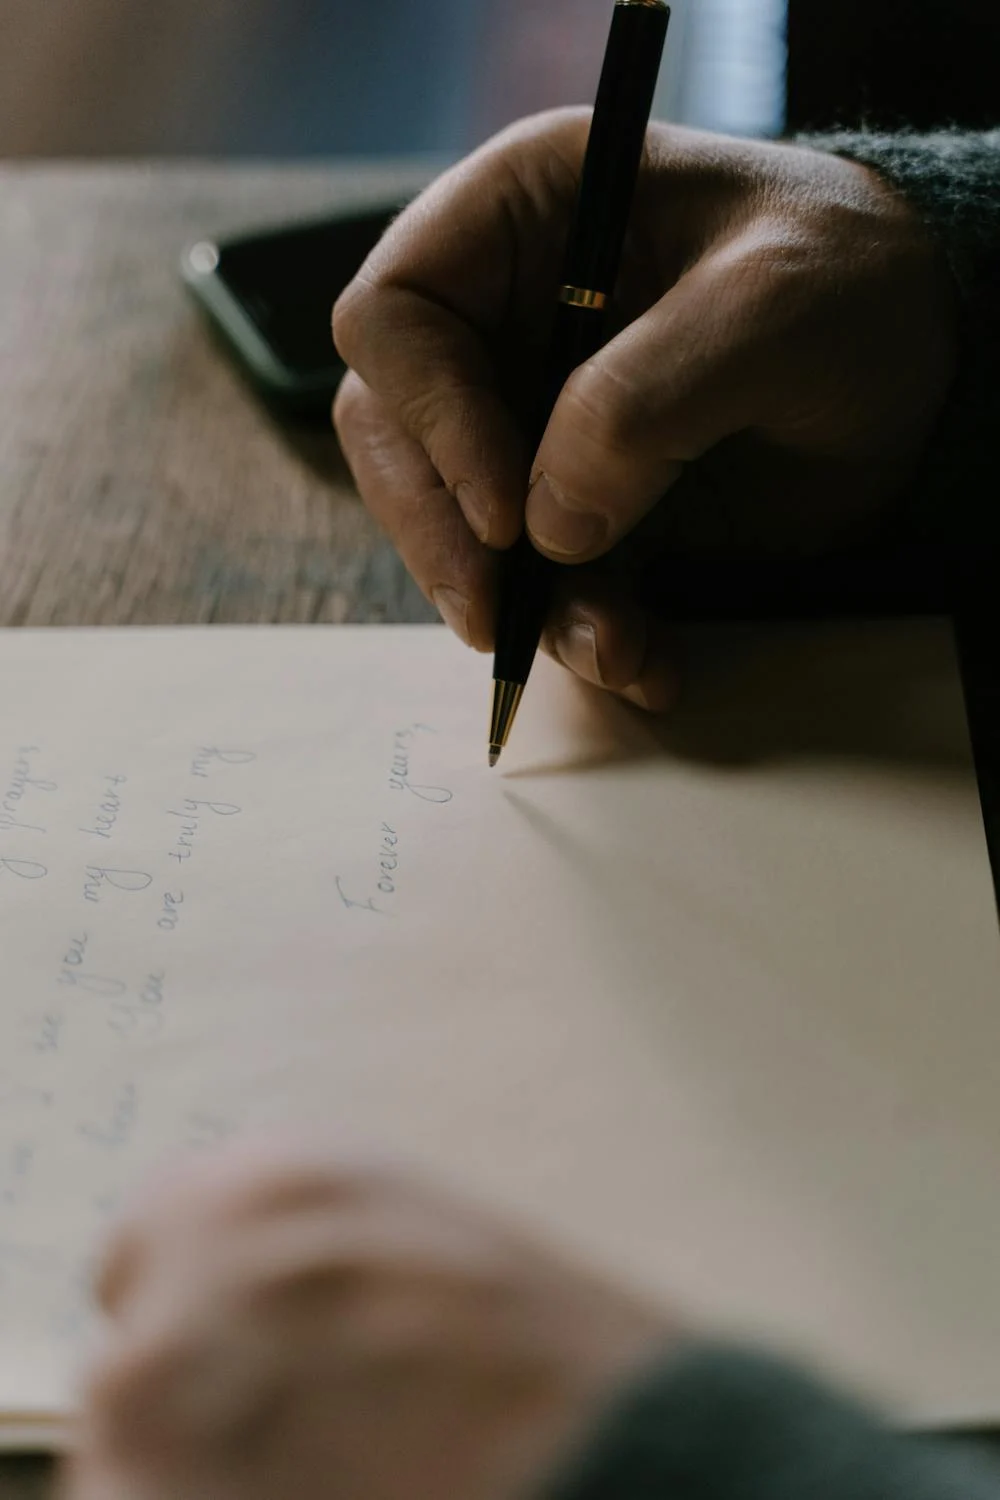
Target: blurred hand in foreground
{"type": "Point", "coordinates": [283, 1326]}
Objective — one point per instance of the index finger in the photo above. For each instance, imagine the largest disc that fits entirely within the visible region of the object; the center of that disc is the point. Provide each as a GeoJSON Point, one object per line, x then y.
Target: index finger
{"type": "Point", "coordinates": [423, 321]}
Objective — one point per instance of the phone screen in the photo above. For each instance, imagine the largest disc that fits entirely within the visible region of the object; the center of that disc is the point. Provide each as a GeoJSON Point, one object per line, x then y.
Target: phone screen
{"type": "Point", "coordinates": [287, 282]}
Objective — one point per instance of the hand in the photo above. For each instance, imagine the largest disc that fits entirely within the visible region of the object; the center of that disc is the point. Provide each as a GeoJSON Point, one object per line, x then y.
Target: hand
{"type": "Point", "coordinates": [786, 343]}
{"type": "Point", "coordinates": [281, 1326]}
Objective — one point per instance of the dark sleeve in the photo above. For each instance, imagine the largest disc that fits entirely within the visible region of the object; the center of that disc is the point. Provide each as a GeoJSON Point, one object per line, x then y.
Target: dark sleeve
{"type": "Point", "coordinates": [952, 178]}
{"type": "Point", "coordinates": [723, 1424]}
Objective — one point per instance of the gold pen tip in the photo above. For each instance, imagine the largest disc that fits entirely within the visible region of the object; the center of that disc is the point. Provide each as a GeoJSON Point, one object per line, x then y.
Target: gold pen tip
{"type": "Point", "coordinates": [506, 698]}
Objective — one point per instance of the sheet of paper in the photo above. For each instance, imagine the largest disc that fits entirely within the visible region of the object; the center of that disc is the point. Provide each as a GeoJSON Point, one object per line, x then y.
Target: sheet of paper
{"type": "Point", "coordinates": [714, 1003]}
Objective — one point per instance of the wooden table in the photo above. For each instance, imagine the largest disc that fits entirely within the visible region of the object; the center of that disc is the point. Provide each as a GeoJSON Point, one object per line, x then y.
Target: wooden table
{"type": "Point", "coordinates": [140, 483]}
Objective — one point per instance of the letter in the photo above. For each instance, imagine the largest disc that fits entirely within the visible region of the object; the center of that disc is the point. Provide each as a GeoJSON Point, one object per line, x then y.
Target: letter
{"type": "Point", "coordinates": [9, 822]}
{"type": "Point", "coordinates": [73, 958]}
{"type": "Point", "coordinates": [230, 757]}
{"type": "Point", "coordinates": [350, 905]}
{"type": "Point", "coordinates": [430, 793]}
{"type": "Point", "coordinates": [24, 869]}
{"type": "Point", "coordinates": [121, 880]}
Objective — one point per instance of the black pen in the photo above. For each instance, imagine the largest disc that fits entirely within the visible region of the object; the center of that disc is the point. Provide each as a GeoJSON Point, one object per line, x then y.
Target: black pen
{"type": "Point", "coordinates": [607, 188]}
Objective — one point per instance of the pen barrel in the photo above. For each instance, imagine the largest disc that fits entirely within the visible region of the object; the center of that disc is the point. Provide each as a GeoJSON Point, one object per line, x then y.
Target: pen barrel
{"type": "Point", "coordinates": [614, 151]}
{"type": "Point", "coordinates": [604, 203]}
{"type": "Point", "coordinates": [525, 592]}
{"type": "Point", "coordinates": [526, 577]}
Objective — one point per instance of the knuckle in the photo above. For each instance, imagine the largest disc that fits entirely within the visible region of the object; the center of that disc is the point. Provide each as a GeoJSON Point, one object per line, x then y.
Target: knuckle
{"type": "Point", "coordinates": [263, 1182]}
{"type": "Point", "coordinates": [606, 409]}
{"type": "Point", "coordinates": [422, 410]}
{"type": "Point", "coordinates": [438, 417]}
{"type": "Point", "coordinates": [312, 1274]}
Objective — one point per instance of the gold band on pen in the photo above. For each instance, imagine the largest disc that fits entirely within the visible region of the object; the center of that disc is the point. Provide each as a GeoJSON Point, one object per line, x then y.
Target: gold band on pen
{"type": "Point", "coordinates": [578, 296]}
{"type": "Point", "coordinates": [649, 4]}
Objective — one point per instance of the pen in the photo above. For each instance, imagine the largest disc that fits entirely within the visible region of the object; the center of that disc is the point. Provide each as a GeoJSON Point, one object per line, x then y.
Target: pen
{"type": "Point", "coordinates": [604, 203]}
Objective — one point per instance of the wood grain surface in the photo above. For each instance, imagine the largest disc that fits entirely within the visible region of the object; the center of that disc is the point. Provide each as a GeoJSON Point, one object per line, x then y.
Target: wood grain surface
{"type": "Point", "coordinates": [140, 482]}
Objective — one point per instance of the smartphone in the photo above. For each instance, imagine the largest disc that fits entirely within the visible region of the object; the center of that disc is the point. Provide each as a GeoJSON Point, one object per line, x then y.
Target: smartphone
{"type": "Point", "coordinates": [270, 295]}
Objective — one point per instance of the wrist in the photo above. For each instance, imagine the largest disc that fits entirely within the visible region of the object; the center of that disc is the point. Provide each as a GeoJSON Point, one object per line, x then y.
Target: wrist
{"type": "Point", "coordinates": [948, 178]}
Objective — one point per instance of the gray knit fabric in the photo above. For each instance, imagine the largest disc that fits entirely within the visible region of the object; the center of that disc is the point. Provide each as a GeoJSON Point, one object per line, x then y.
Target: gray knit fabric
{"type": "Point", "coordinates": [722, 1424]}
{"type": "Point", "coordinates": [953, 178]}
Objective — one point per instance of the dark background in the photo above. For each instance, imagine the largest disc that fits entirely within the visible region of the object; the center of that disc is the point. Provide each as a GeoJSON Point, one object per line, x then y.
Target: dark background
{"type": "Point", "coordinates": [287, 78]}
{"type": "Point", "coordinates": [893, 63]}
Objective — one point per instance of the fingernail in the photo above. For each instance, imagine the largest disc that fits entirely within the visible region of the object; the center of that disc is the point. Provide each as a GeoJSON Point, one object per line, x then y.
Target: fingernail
{"type": "Point", "coordinates": [635, 695]}
{"type": "Point", "coordinates": [559, 529]}
{"type": "Point", "coordinates": [476, 509]}
{"type": "Point", "coordinates": [453, 608]}
{"type": "Point", "coordinates": [576, 647]}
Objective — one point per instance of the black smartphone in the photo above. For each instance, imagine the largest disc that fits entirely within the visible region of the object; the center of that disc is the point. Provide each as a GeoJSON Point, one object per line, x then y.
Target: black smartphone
{"type": "Point", "coordinates": [270, 295]}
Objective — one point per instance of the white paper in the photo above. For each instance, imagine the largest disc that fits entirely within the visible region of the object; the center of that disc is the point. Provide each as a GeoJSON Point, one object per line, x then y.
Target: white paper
{"type": "Point", "coordinates": [713, 1002]}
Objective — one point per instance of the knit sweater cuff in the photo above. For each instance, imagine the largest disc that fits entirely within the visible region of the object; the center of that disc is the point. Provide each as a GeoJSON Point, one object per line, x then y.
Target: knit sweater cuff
{"type": "Point", "coordinates": [722, 1424]}
{"type": "Point", "coordinates": [951, 177]}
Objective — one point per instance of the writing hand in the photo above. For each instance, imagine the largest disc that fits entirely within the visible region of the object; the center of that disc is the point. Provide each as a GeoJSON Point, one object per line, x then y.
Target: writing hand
{"type": "Point", "coordinates": [281, 1325]}
{"type": "Point", "coordinates": [785, 343]}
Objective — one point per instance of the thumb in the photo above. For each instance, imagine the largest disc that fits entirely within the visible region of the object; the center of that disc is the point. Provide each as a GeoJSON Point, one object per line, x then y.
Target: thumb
{"type": "Point", "coordinates": [697, 367]}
